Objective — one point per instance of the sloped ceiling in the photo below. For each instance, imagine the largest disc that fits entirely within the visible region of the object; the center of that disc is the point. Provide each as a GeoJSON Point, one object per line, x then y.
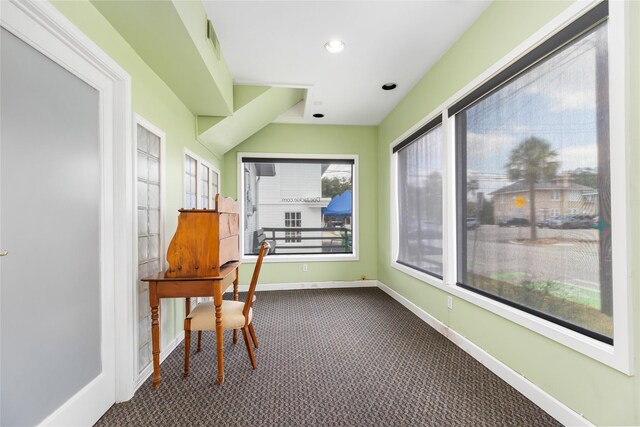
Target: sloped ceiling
{"type": "Point", "coordinates": [256, 107]}
{"type": "Point", "coordinates": [171, 37]}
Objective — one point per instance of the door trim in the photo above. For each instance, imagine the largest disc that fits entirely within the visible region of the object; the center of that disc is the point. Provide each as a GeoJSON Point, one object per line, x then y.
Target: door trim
{"type": "Point", "coordinates": [47, 30]}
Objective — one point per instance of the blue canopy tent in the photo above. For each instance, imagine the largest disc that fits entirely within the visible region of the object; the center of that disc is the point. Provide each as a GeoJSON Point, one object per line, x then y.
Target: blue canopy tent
{"type": "Point", "coordinates": [338, 214]}
{"type": "Point", "coordinates": [340, 206]}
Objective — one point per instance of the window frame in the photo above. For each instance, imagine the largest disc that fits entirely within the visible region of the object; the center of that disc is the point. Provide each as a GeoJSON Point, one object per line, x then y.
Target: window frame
{"type": "Point", "coordinates": [423, 130]}
{"type": "Point", "coordinates": [619, 355]}
{"type": "Point", "coordinates": [288, 258]}
{"type": "Point", "coordinates": [199, 163]}
{"type": "Point", "coordinates": [138, 120]}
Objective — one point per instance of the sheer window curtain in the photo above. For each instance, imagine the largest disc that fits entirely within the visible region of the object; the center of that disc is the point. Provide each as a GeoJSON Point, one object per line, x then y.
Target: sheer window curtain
{"type": "Point", "coordinates": [420, 203]}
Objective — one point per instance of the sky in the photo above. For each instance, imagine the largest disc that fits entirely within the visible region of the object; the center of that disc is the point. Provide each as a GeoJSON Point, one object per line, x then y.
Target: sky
{"type": "Point", "coordinates": [338, 170]}
{"type": "Point", "coordinates": [554, 101]}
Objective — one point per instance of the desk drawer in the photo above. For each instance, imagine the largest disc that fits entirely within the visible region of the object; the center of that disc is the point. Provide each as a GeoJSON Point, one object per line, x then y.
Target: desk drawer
{"type": "Point", "coordinates": [229, 225]}
{"type": "Point", "coordinates": [229, 249]}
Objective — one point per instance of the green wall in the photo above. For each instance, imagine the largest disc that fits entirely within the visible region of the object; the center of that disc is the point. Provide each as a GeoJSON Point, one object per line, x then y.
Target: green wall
{"type": "Point", "coordinates": [153, 100]}
{"type": "Point", "coordinates": [603, 395]}
{"type": "Point", "coordinates": [286, 138]}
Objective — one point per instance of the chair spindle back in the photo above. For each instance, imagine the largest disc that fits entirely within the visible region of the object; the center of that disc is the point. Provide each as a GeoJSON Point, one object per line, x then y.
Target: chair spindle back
{"type": "Point", "coordinates": [264, 249]}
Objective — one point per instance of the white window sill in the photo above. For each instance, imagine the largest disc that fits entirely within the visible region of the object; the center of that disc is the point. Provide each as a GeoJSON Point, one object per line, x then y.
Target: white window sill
{"type": "Point", "coordinates": [595, 349]}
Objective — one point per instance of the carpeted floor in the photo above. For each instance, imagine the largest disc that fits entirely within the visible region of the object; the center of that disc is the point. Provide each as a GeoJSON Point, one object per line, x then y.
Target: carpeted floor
{"type": "Point", "coordinates": [330, 357]}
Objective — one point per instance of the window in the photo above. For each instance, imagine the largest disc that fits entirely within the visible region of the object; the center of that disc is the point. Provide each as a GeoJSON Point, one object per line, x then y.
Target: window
{"type": "Point", "coordinates": [150, 226]}
{"type": "Point", "coordinates": [215, 183]}
{"type": "Point", "coordinates": [205, 176]}
{"type": "Point", "coordinates": [419, 172]}
{"type": "Point", "coordinates": [280, 192]}
{"type": "Point", "coordinates": [542, 124]}
{"type": "Point", "coordinates": [201, 183]}
{"type": "Point", "coordinates": [293, 220]}
{"type": "Point", "coordinates": [190, 182]}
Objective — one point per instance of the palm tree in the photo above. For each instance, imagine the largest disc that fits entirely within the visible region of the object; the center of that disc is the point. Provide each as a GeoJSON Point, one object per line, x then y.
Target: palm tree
{"type": "Point", "coordinates": [532, 161]}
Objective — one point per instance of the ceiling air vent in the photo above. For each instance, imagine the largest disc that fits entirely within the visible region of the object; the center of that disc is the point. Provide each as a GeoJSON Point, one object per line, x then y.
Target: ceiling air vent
{"type": "Point", "coordinates": [213, 38]}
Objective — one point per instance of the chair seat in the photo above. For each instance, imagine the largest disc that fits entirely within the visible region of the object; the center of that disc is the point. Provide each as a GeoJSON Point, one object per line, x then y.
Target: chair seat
{"type": "Point", "coordinates": [203, 317]}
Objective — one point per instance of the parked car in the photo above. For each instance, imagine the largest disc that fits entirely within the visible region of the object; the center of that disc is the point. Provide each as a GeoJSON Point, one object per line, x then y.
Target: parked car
{"type": "Point", "coordinates": [472, 223]}
{"type": "Point", "coordinates": [544, 223]}
{"type": "Point", "coordinates": [514, 222]}
{"type": "Point", "coordinates": [564, 222]}
{"type": "Point", "coordinates": [584, 221]}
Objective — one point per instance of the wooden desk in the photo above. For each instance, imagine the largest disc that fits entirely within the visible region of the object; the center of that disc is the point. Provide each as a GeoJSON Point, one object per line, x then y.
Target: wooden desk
{"type": "Point", "coordinates": [187, 287]}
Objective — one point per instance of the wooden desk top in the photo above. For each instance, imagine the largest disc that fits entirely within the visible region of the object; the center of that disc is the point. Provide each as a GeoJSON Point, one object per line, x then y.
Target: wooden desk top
{"type": "Point", "coordinates": [224, 272]}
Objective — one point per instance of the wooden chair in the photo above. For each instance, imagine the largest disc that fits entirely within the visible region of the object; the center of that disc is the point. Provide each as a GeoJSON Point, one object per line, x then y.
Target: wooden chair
{"type": "Point", "coordinates": [235, 315]}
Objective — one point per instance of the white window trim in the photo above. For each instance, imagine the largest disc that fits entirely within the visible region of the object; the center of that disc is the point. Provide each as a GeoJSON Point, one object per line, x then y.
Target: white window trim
{"type": "Point", "coordinates": [355, 223]}
{"type": "Point", "coordinates": [140, 376]}
{"type": "Point", "coordinates": [620, 355]}
{"type": "Point", "coordinates": [200, 161]}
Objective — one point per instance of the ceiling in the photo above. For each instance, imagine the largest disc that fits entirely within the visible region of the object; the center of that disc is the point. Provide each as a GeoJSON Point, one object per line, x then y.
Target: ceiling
{"type": "Point", "coordinates": [281, 43]}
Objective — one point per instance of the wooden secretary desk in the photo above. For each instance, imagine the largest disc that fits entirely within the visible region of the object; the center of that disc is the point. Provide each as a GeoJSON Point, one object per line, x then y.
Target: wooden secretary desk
{"type": "Point", "coordinates": [203, 259]}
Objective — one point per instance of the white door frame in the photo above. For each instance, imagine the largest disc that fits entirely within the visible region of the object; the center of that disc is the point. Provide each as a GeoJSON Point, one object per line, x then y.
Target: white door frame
{"type": "Point", "coordinates": [47, 30]}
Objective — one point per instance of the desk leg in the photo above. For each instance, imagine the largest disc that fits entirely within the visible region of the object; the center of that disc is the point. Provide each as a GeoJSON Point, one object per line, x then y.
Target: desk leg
{"type": "Point", "coordinates": [235, 298]}
{"type": "Point", "coordinates": [217, 300]}
{"type": "Point", "coordinates": [155, 331]}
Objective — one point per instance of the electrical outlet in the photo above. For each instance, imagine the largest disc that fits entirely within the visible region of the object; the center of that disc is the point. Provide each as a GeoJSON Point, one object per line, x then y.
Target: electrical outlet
{"type": "Point", "coordinates": [305, 267]}
{"type": "Point", "coordinates": [450, 302]}
{"type": "Point", "coordinates": [363, 277]}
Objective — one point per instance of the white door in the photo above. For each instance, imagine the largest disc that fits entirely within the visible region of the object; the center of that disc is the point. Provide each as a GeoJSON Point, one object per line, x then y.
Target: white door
{"type": "Point", "coordinates": [57, 330]}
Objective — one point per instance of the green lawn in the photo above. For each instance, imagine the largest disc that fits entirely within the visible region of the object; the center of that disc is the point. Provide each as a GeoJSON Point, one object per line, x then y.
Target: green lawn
{"type": "Point", "coordinates": [562, 300]}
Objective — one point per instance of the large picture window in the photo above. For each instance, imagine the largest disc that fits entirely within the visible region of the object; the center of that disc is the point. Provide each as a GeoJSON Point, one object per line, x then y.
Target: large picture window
{"type": "Point", "coordinates": [419, 172]}
{"type": "Point", "coordinates": [533, 178]}
{"type": "Point", "coordinates": [301, 206]}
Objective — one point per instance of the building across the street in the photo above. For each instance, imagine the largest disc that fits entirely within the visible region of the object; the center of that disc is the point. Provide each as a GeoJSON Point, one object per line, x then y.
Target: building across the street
{"type": "Point", "coordinates": [284, 195]}
{"type": "Point", "coordinates": [558, 197]}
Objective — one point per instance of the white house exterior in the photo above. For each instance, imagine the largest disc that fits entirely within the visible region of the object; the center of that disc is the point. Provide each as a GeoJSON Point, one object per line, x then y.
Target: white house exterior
{"type": "Point", "coordinates": [284, 195]}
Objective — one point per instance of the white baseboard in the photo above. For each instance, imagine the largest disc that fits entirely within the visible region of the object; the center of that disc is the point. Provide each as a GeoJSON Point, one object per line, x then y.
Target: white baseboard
{"type": "Point", "coordinates": [544, 400]}
{"type": "Point", "coordinates": [146, 372]}
{"type": "Point", "coordinates": [82, 408]}
{"type": "Point", "coordinates": [310, 285]}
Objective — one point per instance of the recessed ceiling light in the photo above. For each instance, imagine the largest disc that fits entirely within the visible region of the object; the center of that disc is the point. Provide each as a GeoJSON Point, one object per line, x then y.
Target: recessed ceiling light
{"type": "Point", "coordinates": [318, 115]}
{"type": "Point", "coordinates": [389, 86]}
{"type": "Point", "coordinates": [334, 46]}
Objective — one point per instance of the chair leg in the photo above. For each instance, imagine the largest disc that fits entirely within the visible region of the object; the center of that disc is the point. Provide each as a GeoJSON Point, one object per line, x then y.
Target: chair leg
{"type": "Point", "coordinates": [199, 341]}
{"type": "Point", "coordinates": [252, 357]}
{"type": "Point", "coordinates": [253, 335]}
{"type": "Point", "coordinates": [235, 336]}
{"type": "Point", "coordinates": [187, 345]}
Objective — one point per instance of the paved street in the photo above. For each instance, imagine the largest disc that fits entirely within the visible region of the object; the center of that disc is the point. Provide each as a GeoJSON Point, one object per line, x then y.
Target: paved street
{"type": "Point", "coordinates": [568, 256]}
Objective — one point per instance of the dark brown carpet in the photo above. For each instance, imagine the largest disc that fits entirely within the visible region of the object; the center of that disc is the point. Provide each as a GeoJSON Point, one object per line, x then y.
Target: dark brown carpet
{"type": "Point", "coordinates": [330, 357]}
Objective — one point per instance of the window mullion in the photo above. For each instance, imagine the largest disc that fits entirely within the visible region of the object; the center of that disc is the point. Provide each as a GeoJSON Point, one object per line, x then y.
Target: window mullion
{"type": "Point", "coordinates": [449, 244]}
